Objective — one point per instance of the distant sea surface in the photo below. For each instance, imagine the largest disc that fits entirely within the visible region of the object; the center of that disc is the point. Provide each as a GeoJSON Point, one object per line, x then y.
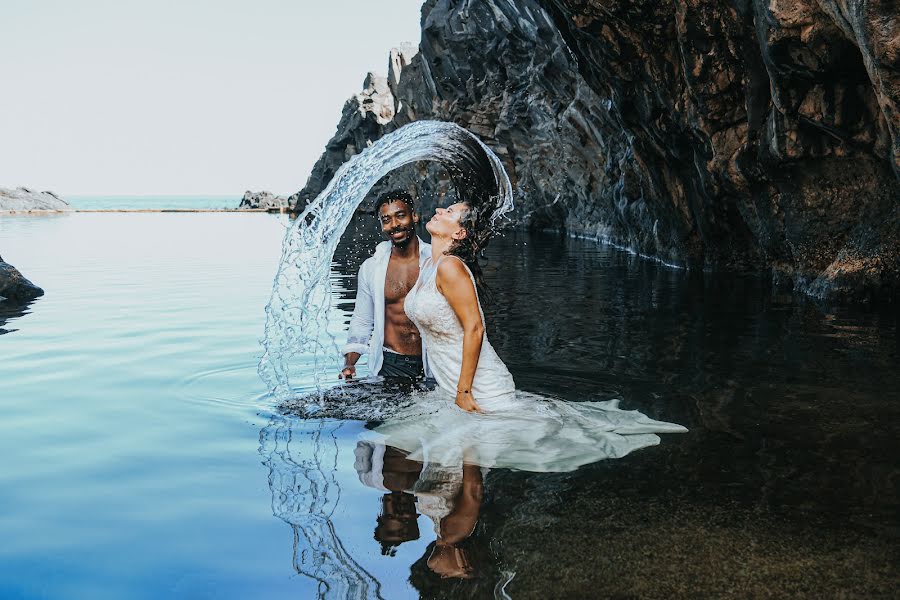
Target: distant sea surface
{"type": "Point", "coordinates": [151, 202]}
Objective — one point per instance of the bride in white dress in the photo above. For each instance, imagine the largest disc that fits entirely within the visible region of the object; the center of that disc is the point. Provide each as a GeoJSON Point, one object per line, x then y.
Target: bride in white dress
{"type": "Point", "coordinates": [476, 415]}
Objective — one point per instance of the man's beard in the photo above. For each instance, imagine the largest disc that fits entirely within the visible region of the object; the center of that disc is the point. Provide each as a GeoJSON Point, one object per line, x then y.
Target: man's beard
{"type": "Point", "coordinates": [411, 231]}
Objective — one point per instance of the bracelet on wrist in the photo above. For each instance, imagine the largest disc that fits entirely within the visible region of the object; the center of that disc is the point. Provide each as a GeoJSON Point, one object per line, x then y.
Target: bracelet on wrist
{"type": "Point", "coordinates": [462, 391]}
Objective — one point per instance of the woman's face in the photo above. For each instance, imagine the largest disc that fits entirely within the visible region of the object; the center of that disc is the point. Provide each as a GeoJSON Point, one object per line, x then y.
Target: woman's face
{"type": "Point", "coordinates": [445, 222]}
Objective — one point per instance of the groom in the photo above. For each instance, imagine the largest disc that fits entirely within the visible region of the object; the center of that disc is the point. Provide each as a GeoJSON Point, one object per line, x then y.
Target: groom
{"type": "Point", "coordinates": [379, 325]}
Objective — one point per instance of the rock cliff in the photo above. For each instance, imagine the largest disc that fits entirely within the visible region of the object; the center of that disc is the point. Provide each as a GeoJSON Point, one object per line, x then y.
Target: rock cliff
{"type": "Point", "coordinates": [25, 199]}
{"type": "Point", "coordinates": [718, 135]}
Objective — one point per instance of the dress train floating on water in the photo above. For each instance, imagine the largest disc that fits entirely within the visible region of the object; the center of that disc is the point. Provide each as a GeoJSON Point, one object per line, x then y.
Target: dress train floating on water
{"type": "Point", "coordinates": [527, 432]}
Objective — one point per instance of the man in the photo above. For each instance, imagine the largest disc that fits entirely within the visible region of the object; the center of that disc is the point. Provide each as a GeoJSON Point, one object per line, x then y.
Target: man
{"type": "Point", "coordinates": [379, 325]}
{"type": "Point", "coordinates": [387, 469]}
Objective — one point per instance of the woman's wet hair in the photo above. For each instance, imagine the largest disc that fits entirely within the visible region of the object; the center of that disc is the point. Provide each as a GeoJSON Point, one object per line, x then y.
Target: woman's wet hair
{"type": "Point", "coordinates": [475, 219]}
{"type": "Point", "coordinates": [474, 178]}
{"type": "Point", "coordinates": [392, 196]}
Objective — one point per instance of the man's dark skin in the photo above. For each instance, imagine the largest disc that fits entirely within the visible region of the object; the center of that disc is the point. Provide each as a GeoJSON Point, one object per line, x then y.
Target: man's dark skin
{"type": "Point", "coordinates": [398, 223]}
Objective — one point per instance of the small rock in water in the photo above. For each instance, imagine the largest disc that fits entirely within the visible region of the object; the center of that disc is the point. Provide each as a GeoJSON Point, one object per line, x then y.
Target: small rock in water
{"type": "Point", "coordinates": [264, 200]}
{"type": "Point", "coordinates": [14, 286]}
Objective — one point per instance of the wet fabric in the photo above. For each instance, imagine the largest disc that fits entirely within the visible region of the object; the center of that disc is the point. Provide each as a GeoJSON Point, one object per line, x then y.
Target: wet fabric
{"type": "Point", "coordinates": [517, 430]}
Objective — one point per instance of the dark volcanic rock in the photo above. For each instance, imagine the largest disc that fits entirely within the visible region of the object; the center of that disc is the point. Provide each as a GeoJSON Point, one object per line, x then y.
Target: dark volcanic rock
{"type": "Point", "coordinates": [14, 286]}
{"type": "Point", "coordinates": [366, 117]}
{"type": "Point", "coordinates": [728, 136]}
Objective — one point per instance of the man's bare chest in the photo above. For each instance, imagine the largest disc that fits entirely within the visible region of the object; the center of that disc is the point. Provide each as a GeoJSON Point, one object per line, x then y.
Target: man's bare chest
{"type": "Point", "coordinates": [400, 278]}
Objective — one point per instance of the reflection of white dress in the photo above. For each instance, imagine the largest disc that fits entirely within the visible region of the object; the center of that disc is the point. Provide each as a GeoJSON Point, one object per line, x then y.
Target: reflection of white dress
{"type": "Point", "coordinates": [519, 430]}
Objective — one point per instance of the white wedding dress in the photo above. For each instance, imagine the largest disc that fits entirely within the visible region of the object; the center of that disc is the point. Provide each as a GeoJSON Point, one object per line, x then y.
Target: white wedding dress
{"type": "Point", "coordinates": [518, 430]}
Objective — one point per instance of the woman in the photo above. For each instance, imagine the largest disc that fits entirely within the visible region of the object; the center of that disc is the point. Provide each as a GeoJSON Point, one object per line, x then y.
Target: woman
{"type": "Point", "coordinates": [444, 306]}
{"type": "Point", "coordinates": [508, 428]}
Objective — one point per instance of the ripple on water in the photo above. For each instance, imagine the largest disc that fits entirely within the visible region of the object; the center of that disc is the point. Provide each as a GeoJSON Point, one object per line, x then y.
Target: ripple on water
{"type": "Point", "coordinates": [233, 386]}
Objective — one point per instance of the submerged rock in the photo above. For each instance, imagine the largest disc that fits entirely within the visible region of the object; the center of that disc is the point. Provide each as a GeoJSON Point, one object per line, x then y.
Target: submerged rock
{"type": "Point", "coordinates": [23, 198]}
{"type": "Point", "coordinates": [721, 136]}
{"type": "Point", "coordinates": [14, 286]}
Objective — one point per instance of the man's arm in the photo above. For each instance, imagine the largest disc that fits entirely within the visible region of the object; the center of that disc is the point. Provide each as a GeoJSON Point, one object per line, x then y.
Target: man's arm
{"type": "Point", "coordinates": [361, 324]}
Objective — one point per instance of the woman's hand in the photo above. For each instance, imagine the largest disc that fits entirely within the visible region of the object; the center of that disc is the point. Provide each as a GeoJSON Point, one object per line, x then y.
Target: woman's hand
{"type": "Point", "coordinates": [465, 401]}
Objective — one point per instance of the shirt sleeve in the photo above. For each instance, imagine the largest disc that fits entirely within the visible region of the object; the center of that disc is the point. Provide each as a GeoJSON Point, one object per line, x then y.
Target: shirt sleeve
{"type": "Point", "coordinates": [363, 320]}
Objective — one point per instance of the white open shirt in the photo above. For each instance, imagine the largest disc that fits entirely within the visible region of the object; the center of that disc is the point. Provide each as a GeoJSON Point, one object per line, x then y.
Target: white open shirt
{"type": "Point", "coordinates": [366, 332]}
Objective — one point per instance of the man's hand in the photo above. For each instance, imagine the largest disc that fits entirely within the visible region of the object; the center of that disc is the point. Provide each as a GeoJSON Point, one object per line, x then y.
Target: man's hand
{"type": "Point", "coordinates": [349, 370]}
{"type": "Point", "coordinates": [465, 401]}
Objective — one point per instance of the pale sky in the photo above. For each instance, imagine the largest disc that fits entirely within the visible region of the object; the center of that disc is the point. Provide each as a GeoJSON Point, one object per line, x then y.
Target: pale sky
{"type": "Point", "coordinates": [189, 97]}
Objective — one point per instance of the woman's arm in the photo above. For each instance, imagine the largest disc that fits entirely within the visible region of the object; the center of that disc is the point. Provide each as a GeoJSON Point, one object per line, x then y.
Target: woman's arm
{"type": "Point", "coordinates": [454, 283]}
{"type": "Point", "coordinates": [460, 523]}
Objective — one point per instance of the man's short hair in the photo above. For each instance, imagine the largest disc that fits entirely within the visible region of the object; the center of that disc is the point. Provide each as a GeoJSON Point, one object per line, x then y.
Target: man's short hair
{"type": "Point", "coordinates": [391, 196]}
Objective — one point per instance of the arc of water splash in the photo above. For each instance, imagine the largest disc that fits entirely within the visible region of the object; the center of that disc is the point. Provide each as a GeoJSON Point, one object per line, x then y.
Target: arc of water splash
{"type": "Point", "coordinates": [297, 316]}
{"type": "Point", "coordinates": [302, 460]}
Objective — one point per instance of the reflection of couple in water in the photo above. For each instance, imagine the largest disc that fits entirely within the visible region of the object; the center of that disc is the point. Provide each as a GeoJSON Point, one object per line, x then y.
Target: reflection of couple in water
{"type": "Point", "coordinates": [418, 315]}
{"type": "Point", "coordinates": [450, 497]}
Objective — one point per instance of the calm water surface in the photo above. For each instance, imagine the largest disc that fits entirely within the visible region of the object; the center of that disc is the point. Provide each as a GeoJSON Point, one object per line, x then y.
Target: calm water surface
{"type": "Point", "coordinates": [142, 457]}
{"type": "Point", "coordinates": [119, 202]}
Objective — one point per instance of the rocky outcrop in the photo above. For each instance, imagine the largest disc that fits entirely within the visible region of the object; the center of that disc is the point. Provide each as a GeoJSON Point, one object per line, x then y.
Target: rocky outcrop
{"type": "Point", "coordinates": [265, 201]}
{"type": "Point", "coordinates": [21, 199]}
{"type": "Point", "coordinates": [731, 136]}
{"type": "Point", "coordinates": [366, 117]}
{"type": "Point", "coordinates": [14, 286]}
